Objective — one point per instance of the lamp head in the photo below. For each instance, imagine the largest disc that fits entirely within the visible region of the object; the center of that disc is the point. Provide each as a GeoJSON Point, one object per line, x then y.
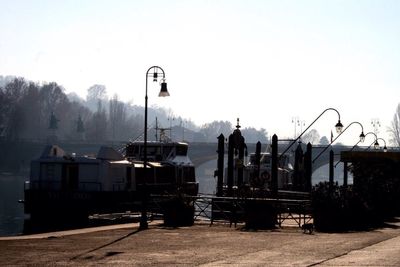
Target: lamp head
{"type": "Point", "coordinates": [384, 149]}
{"type": "Point", "coordinates": [376, 145]}
{"type": "Point", "coordinates": [163, 91]}
{"type": "Point", "coordinates": [362, 137]}
{"type": "Point", "coordinates": [339, 127]}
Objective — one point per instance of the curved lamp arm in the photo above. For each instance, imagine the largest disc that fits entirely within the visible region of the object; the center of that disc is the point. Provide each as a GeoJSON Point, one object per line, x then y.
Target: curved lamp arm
{"type": "Point", "coordinates": [376, 144]}
{"type": "Point", "coordinates": [362, 138]}
{"type": "Point", "coordinates": [376, 137]}
{"type": "Point", "coordinates": [338, 126]}
{"type": "Point", "coordinates": [357, 144]}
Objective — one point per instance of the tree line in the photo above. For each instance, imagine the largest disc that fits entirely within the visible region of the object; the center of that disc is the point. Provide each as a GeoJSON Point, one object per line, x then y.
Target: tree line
{"type": "Point", "coordinates": [43, 112]}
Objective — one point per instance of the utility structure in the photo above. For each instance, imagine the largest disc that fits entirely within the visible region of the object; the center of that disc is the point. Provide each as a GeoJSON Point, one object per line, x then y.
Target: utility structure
{"type": "Point", "coordinates": [153, 72]}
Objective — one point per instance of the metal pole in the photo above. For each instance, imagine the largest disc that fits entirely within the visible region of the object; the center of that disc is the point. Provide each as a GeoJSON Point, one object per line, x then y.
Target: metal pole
{"type": "Point", "coordinates": [220, 166]}
{"type": "Point", "coordinates": [143, 219]}
{"type": "Point", "coordinates": [274, 166]}
{"type": "Point", "coordinates": [230, 165]}
{"type": "Point", "coordinates": [241, 159]}
{"type": "Point", "coordinates": [308, 168]}
{"type": "Point", "coordinates": [331, 155]}
{"type": "Point", "coordinates": [345, 173]}
{"type": "Point", "coordinates": [258, 159]}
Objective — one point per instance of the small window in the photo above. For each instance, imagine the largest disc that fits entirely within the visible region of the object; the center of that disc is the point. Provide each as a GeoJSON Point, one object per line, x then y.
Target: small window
{"type": "Point", "coordinates": [181, 150]}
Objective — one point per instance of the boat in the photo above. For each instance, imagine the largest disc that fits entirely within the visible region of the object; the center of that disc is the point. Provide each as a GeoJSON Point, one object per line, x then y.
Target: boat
{"type": "Point", "coordinates": [69, 186]}
{"type": "Point", "coordinates": [263, 180]}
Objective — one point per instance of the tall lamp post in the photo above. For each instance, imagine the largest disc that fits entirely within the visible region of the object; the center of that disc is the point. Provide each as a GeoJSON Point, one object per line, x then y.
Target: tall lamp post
{"type": "Point", "coordinates": [153, 72]}
{"type": "Point", "coordinates": [362, 138]}
{"type": "Point", "coordinates": [297, 122]}
{"type": "Point", "coordinates": [338, 126]}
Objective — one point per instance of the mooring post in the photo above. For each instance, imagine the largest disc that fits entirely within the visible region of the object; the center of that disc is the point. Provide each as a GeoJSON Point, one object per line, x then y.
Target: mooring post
{"type": "Point", "coordinates": [220, 164]}
{"type": "Point", "coordinates": [240, 168]}
{"type": "Point", "coordinates": [258, 159]}
{"type": "Point", "coordinates": [274, 166]}
{"type": "Point", "coordinates": [298, 172]}
{"type": "Point", "coordinates": [331, 155]}
{"type": "Point", "coordinates": [308, 167]}
{"type": "Point", "coordinates": [230, 164]}
{"type": "Point", "coordinates": [345, 176]}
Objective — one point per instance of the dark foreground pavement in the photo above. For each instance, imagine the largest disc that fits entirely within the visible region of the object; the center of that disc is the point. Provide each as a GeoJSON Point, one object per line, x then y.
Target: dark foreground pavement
{"type": "Point", "coordinates": [202, 245]}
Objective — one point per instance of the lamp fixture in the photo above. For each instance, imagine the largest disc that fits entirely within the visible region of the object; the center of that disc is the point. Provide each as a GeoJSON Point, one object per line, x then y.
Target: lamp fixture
{"type": "Point", "coordinates": [339, 127]}
{"type": "Point", "coordinates": [163, 91]}
{"type": "Point", "coordinates": [376, 145]}
{"type": "Point", "coordinates": [362, 137]}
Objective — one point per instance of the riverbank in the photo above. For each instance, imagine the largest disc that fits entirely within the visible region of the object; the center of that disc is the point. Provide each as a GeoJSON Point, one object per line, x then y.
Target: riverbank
{"type": "Point", "coordinates": [202, 245]}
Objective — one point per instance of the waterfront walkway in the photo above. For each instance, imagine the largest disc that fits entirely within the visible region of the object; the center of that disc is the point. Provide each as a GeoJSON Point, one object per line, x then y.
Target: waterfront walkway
{"type": "Point", "coordinates": [202, 245]}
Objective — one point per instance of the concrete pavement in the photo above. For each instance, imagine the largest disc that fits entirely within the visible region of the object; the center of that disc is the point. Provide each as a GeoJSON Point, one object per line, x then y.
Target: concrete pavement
{"type": "Point", "coordinates": [202, 245]}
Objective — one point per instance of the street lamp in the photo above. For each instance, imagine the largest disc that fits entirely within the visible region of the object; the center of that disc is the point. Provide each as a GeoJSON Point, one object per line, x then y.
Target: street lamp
{"type": "Point", "coordinates": [384, 147]}
{"type": "Point", "coordinates": [376, 137]}
{"type": "Point", "coordinates": [297, 122]}
{"type": "Point", "coordinates": [338, 126]}
{"type": "Point", "coordinates": [361, 136]}
{"type": "Point", "coordinates": [358, 143]}
{"type": "Point", "coordinates": [376, 144]}
{"type": "Point", "coordinates": [153, 72]}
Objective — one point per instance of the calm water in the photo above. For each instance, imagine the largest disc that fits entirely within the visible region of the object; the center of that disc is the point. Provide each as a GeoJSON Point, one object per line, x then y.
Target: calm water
{"type": "Point", "coordinates": [11, 212]}
{"type": "Point", "coordinates": [322, 174]}
{"type": "Point", "coordinates": [12, 189]}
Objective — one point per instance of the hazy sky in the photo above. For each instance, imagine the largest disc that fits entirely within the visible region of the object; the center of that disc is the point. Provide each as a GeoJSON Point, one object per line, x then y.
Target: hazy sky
{"type": "Point", "coordinates": [263, 61]}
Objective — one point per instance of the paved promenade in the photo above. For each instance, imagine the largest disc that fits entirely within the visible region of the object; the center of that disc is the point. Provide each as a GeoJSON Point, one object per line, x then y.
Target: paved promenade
{"type": "Point", "coordinates": [202, 245]}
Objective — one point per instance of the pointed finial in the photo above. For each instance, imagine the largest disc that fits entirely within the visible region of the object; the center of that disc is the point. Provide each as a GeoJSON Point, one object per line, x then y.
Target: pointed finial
{"type": "Point", "coordinates": [237, 126]}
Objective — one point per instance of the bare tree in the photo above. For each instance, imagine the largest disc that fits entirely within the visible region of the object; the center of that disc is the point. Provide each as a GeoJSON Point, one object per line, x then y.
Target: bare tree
{"type": "Point", "coordinates": [95, 94]}
{"type": "Point", "coordinates": [252, 135]}
{"type": "Point", "coordinates": [212, 130]}
{"type": "Point", "coordinates": [312, 137]}
{"type": "Point", "coordinates": [97, 128]}
{"type": "Point", "coordinates": [117, 118]}
{"type": "Point", "coordinates": [14, 119]}
{"type": "Point", "coordinates": [395, 129]}
{"type": "Point", "coordinates": [324, 141]}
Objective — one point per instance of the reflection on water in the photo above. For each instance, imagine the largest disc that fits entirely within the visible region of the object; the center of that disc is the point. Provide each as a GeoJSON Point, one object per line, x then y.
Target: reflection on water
{"type": "Point", "coordinates": [11, 212]}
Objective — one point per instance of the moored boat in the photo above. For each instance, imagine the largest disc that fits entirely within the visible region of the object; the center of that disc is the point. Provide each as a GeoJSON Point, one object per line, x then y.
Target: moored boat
{"type": "Point", "coordinates": [70, 186]}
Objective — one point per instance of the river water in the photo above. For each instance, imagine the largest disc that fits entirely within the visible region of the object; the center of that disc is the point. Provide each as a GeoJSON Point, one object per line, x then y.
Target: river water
{"type": "Point", "coordinates": [12, 189]}
{"type": "Point", "coordinates": [11, 212]}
